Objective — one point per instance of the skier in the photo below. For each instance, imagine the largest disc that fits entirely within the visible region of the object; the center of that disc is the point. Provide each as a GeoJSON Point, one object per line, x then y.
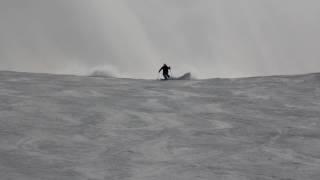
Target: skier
{"type": "Point", "coordinates": [165, 70]}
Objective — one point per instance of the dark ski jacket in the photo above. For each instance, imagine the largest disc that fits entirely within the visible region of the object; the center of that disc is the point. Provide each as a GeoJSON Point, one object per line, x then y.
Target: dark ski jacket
{"type": "Point", "coordinates": [165, 69]}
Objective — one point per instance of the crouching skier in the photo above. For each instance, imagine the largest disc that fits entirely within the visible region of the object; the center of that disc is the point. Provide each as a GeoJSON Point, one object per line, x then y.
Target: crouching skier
{"type": "Point", "coordinates": [165, 71]}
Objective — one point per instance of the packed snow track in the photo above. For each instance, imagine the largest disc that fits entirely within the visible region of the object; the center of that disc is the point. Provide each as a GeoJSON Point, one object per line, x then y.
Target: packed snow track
{"type": "Point", "coordinates": [57, 127]}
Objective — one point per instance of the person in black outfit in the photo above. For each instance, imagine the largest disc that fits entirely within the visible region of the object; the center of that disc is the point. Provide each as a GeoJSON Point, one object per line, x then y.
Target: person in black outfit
{"type": "Point", "coordinates": [165, 70]}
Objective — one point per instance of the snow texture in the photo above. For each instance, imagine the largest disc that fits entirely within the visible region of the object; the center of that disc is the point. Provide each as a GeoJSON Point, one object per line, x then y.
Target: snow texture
{"type": "Point", "coordinates": [186, 76]}
{"type": "Point", "coordinates": [56, 127]}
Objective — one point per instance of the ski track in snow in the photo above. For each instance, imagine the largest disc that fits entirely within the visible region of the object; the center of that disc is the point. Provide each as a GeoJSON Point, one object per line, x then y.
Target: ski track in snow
{"type": "Point", "coordinates": [87, 128]}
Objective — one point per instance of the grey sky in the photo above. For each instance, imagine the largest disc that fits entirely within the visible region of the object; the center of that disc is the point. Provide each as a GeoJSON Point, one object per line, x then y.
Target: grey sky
{"type": "Point", "coordinates": [210, 38]}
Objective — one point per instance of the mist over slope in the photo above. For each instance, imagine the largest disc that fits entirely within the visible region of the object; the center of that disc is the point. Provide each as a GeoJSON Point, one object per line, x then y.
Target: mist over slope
{"type": "Point", "coordinates": [210, 38]}
{"type": "Point", "coordinates": [79, 128]}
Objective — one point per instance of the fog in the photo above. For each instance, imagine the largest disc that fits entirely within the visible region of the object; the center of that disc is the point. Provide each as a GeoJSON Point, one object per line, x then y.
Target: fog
{"type": "Point", "coordinates": [133, 38]}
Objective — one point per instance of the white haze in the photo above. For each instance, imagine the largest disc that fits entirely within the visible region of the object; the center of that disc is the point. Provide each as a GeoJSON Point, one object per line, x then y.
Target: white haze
{"type": "Point", "coordinates": [132, 38]}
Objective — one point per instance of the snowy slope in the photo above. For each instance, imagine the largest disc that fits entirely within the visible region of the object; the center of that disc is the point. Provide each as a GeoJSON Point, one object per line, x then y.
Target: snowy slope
{"type": "Point", "coordinates": [56, 127]}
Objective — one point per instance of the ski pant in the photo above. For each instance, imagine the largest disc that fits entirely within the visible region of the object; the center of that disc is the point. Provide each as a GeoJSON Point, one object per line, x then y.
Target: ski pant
{"type": "Point", "coordinates": [166, 76]}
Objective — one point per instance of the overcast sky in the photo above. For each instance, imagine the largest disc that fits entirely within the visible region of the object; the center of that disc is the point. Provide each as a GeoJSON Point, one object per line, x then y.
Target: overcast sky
{"type": "Point", "coordinates": [210, 38]}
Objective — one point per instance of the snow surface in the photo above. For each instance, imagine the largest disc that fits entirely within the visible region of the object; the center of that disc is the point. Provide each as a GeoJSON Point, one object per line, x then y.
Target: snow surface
{"type": "Point", "coordinates": [56, 127]}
